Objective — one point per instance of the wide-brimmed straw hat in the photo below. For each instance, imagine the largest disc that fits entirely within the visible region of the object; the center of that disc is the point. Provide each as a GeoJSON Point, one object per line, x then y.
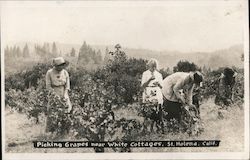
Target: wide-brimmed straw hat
{"type": "Point", "coordinates": [59, 61]}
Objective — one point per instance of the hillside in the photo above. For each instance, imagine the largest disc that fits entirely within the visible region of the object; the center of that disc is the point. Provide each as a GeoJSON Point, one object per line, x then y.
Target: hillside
{"type": "Point", "coordinates": [224, 57]}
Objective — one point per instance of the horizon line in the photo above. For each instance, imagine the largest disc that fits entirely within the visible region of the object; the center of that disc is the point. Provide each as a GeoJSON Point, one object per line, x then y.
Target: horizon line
{"type": "Point", "coordinates": [123, 46]}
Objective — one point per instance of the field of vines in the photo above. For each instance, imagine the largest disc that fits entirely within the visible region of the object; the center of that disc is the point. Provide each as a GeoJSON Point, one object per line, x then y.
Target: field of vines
{"type": "Point", "coordinates": [106, 107]}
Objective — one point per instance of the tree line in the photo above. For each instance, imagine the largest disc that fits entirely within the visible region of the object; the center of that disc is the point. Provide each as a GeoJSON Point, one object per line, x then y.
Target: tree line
{"type": "Point", "coordinates": [16, 51]}
{"type": "Point", "coordinates": [47, 51]}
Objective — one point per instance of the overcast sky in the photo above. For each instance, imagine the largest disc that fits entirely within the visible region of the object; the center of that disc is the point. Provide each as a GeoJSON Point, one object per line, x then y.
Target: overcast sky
{"type": "Point", "coordinates": [178, 25]}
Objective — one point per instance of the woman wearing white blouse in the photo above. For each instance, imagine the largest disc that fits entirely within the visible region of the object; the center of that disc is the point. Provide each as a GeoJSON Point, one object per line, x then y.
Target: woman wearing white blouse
{"type": "Point", "coordinates": [152, 95]}
{"type": "Point", "coordinates": [152, 83]}
{"type": "Point", "coordinates": [57, 81]}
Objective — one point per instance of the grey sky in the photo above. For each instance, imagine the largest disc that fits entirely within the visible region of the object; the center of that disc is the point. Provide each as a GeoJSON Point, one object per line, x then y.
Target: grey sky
{"type": "Point", "coordinates": [170, 25]}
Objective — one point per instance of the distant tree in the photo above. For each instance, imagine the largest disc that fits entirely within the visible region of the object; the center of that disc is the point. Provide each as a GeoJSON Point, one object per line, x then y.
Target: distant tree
{"type": "Point", "coordinates": [107, 56]}
{"type": "Point", "coordinates": [118, 55]}
{"type": "Point", "coordinates": [87, 55]}
{"type": "Point", "coordinates": [73, 52]}
{"type": "Point", "coordinates": [206, 70]}
{"type": "Point", "coordinates": [7, 52]}
{"type": "Point", "coordinates": [119, 59]}
{"type": "Point", "coordinates": [26, 52]}
{"type": "Point", "coordinates": [83, 53]}
{"type": "Point", "coordinates": [185, 66]}
{"type": "Point", "coordinates": [118, 47]}
{"type": "Point", "coordinates": [46, 48]}
{"type": "Point", "coordinates": [14, 50]}
{"type": "Point", "coordinates": [106, 50]}
{"type": "Point", "coordinates": [18, 52]}
{"type": "Point", "coordinates": [60, 53]}
{"type": "Point", "coordinates": [39, 51]}
{"type": "Point", "coordinates": [97, 57]}
{"type": "Point", "coordinates": [42, 52]}
{"type": "Point", "coordinates": [54, 49]}
{"type": "Point", "coordinates": [242, 57]}
{"type": "Point", "coordinates": [165, 72]}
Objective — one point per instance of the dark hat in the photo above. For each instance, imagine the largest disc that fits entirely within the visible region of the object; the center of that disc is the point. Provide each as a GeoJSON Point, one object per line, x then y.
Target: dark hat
{"type": "Point", "coordinates": [228, 72]}
{"type": "Point", "coordinates": [198, 77]}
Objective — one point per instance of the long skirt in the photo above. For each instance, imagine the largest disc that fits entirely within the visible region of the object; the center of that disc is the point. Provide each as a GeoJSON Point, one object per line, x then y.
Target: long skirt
{"type": "Point", "coordinates": [49, 125]}
{"type": "Point", "coordinates": [173, 109]}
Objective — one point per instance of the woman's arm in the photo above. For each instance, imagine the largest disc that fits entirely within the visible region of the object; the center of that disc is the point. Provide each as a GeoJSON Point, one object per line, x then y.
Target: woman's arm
{"type": "Point", "coordinates": [190, 95]}
{"type": "Point", "coordinates": [66, 94]}
{"type": "Point", "coordinates": [159, 82]}
{"type": "Point", "coordinates": [146, 82]}
{"type": "Point", "coordinates": [48, 81]}
{"type": "Point", "coordinates": [177, 87]}
{"type": "Point", "coordinates": [67, 85]}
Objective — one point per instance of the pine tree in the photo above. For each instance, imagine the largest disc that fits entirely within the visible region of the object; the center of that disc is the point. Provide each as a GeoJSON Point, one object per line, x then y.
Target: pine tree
{"type": "Point", "coordinates": [98, 57]}
{"type": "Point", "coordinates": [26, 52]}
{"type": "Point", "coordinates": [18, 52]}
{"type": "Point", "coordinates": [11, 54]}
{"type": "Point", "coordinates": [73, 52]}
{"type": "Point", "coordinates": [106, 56]}
{"type": "Point", "coordinates": [7, 52]}
{"type": "Point", "coordinates": [14, 51]}
{"type": "Point", "coordinates": [46, 50]}
{"type": "Point", "coordinates": [45, 47]}
{"type": "Point", "coordinates": [54, 49]}
{"type": "Point", "coordinates": [40, 51]}
{"type": "Point", "coordinates": [88, 55]}
{"type": "Point", "coordinates": [83, 53]}
{"type": "Point", "coordinates": [118, 47]}
{"type": "Point", "coordinates": [60, 53]}
{"type": "Point", "coordinates": [242, 57]}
